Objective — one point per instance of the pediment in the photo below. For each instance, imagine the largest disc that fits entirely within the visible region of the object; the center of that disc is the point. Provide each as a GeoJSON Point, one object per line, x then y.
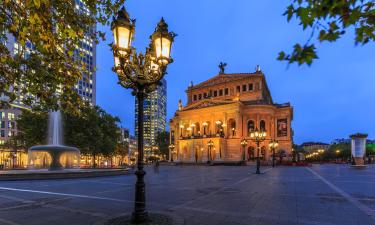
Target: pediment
{"type": "Point", "coordinates": [207, 103]}
{"type": "Point", "coordinates": [222, 78]}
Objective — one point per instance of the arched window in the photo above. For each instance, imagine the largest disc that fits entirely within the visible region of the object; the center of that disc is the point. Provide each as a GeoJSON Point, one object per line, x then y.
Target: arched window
{"type": "Point", "coordinates": [262, 125]}
{"type": "Point", "coordinates": [250, 127]}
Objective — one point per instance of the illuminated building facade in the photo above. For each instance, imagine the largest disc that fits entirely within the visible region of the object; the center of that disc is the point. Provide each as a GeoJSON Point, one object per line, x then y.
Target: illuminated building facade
{"type": "Point", "coordinates": [155, 112]}
{"type": "Point", "coordinates": [223, 111]}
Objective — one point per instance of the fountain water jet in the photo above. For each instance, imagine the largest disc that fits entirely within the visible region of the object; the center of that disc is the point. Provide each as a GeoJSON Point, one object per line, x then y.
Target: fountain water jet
{"type": "Point", "coordinates": [54, 152]}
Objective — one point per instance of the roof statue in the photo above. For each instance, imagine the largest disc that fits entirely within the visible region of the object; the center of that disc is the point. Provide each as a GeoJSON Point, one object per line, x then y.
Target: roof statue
{"type": "Point", "coordinates": [257, 69]}
{"type": "Point", "coordinates": [222, 66]}
{"type": "Point", "coordinates": [180, 105]}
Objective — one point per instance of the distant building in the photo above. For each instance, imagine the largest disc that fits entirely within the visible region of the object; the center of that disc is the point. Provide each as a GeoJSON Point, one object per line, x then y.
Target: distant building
{"type": "Point", "coordinates": [133, 146]}
{"type": "Point", "coordinates": [314, 146]}
{"type": "Point", "coordinates": [124, 135]}
{"type": "Point", "coordinates": [155, 113]}
{"type": "Point", "coordinates": [224, 110]}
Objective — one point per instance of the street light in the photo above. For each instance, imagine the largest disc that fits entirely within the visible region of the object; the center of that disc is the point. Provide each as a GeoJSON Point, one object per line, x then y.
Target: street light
{"type": "Point", "coordinates": [337, 154]}
{"type": "Point", "coordinates": [258, 137]}
{"type": "Point", "coordinates": [171, 147]}
{"type": "Point", "coordinates": [142, 73]}
{"type": "Point", "coordinates": [244, 144]}
{"type": "Point", "coordinates": [273, 145]}
{"type": "Point", "coordinates": [210, 145]}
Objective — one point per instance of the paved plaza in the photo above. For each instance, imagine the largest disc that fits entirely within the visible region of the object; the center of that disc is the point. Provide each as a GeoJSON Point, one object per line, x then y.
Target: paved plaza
{"type": "Point", "coordinates": [219, 195]}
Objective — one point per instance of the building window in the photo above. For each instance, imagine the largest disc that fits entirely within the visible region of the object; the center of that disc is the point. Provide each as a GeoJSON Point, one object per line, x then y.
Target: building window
{"type": "Point", "coordinates": [262, 125]}
{"type": "Point", "coordinates": [200, 96]}
{"type": "Point", "coordinates": [10, 116]}
{"type": "Point", "coordinates": [2, 124]}
{"type": "Point", "coordinates": [215, 93]}
{"type": "Point", "coordinates": [220, 92]}
{"type": "Point", "coordinates": [251, 87]}
{"type": "Point", "coordinates": [250, 127]}
{"type": "Point", "coordinates": [238, 88]}
{"type": "Point", "coordinates": [244, 87]}
{"type": "Point", "coordinates": [2, 133]}
{"type": "Point", "coordinates": [205, 95]}
{"type": "Point", "coordinates": [195, 97]}
{"type": "Point", "coordinates": [226, 91]}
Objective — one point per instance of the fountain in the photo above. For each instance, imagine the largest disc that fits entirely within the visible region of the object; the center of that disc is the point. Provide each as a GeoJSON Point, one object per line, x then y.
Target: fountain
{"type": "Point", "coordinates": [56, 155]}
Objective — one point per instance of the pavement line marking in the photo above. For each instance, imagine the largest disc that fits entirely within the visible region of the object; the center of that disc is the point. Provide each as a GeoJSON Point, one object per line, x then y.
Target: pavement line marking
{"type": "Point", "coordinates": [64, 194]}
{"type": "Point", "coordinates": [8, 222]}
{"type": "Point", "coordinates": [71, 195]}
{"type": "Point", "coordinates": [370, 212]}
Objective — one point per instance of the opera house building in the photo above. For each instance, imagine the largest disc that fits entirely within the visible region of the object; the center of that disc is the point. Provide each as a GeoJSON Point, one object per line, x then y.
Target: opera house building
{"type": "Point", "coordinates": [220, 115]}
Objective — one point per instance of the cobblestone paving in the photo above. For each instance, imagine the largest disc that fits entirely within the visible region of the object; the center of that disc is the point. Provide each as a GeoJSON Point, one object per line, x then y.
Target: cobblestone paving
{"type": "Point", "coordinates": [202, 195]}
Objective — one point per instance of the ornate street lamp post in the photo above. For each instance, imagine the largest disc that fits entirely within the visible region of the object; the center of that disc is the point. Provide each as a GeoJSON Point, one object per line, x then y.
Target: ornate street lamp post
{"type": "Point", "coordinates": [258, 137]}
{"type": "Point", "coordinates": [210, 145]}
{"type": "Point", "coordinates": [142, 73]}
{"type": "Point", "coordinates": [171, 148]}
{"type": "Point", "coordinates": [273, 145]}
{"type": "Point", "coordinates": [244, 144]}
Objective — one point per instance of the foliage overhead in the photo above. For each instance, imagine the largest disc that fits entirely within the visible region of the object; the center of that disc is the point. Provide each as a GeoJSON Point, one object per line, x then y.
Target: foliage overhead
{"type": "Point", "coordinates": [48, 60]}
{"type": "Point", "coordinates": [329, 20]}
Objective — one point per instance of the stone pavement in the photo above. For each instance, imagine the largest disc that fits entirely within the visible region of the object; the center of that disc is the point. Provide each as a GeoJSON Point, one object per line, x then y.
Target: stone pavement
{"type": "Point", "coordinates": [202, 195]}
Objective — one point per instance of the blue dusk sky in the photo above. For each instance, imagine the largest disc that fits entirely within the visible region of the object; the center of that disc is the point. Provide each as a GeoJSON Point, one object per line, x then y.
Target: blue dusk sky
{"type": "Point", "coordinates": [333, 98]}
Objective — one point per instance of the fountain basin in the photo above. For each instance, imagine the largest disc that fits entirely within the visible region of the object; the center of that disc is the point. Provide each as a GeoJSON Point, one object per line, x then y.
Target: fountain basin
{"type": "Point", "coordinates": [40, 156]}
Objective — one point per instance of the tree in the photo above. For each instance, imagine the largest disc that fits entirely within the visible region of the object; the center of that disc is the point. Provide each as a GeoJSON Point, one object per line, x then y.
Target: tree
{"type": "Point", "coordinates": [329, 20]}
{"type": "Point", "coordinates": [122, 149]}
{"type": "Point", "coordinates": [341, 150]}
{"type": "Point", "coordinates": [32, 129]}
{"type": "Point", "coordinates": [162, 141]}
{"type": "Point", "coordinates": [93, 130]}
{"type": "Point", "coordinates": [47, 58]}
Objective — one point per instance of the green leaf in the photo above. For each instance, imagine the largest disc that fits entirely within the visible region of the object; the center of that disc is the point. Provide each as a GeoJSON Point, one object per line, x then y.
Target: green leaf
{"type": "Point", "coordinates": [37, 3]}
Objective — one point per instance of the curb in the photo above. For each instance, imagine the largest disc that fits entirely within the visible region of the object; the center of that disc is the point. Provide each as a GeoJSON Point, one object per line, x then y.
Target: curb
{"type": "Point", "coordinates": [63, 175]}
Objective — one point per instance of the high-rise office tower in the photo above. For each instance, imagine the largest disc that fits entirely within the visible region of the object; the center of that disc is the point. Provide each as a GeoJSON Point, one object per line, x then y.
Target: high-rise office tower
{"type": "Point", "coordinates": [155, 113]}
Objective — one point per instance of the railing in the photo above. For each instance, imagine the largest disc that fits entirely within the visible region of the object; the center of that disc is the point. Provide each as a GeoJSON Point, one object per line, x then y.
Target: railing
{"type": "Point", "coordinates": [202, 136]}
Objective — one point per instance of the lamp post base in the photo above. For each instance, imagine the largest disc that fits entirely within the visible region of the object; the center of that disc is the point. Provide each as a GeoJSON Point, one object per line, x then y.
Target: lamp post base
{"type": "Point", "coordinates": [139, 217]}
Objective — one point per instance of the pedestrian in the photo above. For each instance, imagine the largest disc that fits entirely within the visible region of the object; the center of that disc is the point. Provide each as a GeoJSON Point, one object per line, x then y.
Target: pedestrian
{"type": "Point", "coordinates": [157, 166]}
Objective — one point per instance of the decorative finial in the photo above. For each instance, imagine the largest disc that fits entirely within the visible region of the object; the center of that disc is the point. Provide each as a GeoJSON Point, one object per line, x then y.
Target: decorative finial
{"type": "Point", "coordinates": [180, 105]}
{"type": "Point", "coordinates": [222, 66]}
{"type": "Point", "coordinates": [191, 84]}
{"type": "Point", "coordinates": [257, 69]}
